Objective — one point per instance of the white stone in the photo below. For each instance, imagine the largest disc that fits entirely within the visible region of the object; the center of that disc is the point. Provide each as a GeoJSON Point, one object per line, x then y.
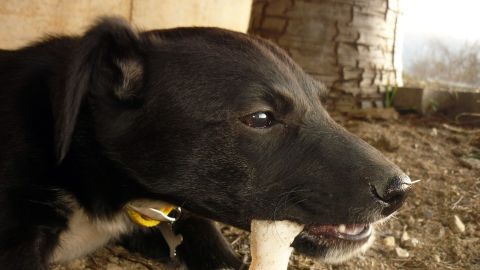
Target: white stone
{"type": "Point", "coordinates": [402, 253]}
{"type": "Point", "coordinates": [411, 243]}
{"type": "Point", "coordinates": [405, 237]}
{"type": "Point", "coordinates": [389, 242]}
{"type": "Point", "coordinates": [457, 225]}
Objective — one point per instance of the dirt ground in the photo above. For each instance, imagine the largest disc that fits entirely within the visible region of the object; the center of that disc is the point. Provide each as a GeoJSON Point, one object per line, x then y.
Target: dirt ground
{"type": "Point", "coordinates": [438, 227]}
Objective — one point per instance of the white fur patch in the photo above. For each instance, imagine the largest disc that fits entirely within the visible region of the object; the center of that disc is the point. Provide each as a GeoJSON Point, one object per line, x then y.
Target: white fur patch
{"type": "Point", "coordinates": [337, 255]}
{"type": "Point", "coordinates": [270, 243]}
{"type": "Point", "coordinates": [85, 234]}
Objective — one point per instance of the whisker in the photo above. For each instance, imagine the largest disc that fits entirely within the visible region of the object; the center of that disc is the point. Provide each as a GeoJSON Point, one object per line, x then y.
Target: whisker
{"type": "Point", "coordinates": [413, 182]}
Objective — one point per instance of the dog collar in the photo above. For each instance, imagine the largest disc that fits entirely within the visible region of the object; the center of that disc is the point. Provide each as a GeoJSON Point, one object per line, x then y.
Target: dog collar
{"type": "Point", "coordinates": [151, 216]}
{"type": "Point", "coordinates": [154, 213]}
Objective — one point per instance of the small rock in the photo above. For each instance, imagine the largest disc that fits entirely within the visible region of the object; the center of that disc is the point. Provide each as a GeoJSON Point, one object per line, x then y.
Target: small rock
{"type": "Point", "coordinates": [411, 221]}
{"type": "Point", "coordinates": [455, 139]}
{"type": "Point", "coordinates": [470, 163]}
{"type": "Point", "coordinates": [405, 237]}
{"type": "Point", "coordinates": [475, 142]}
{"type": "Point", "coordinates": [458, 152]}
{"type": "Point", "coordinates": [470, 229]}
{"type": "Point", "coordinates": [428, 214]}
{"type": "Point", "coordinates": [414, 242]}
{"type": "Point", "coordinates": [411, 243]}
{"type": "Point", "coordinates": [435, 229]}
{"type": "Point", "coordinates": [402, 253]}
{"type": "Point", "coordinates": [457, 225]}
{"type": "Point", "coordinates": [436, 258]}
{"type": "Point", "coordinates": [389, 242]}
{"type": "Point", "coordinates": [387, 143]}
{"type": "Point", "coordinates": [441, 233]}
{"type": "Point", "coordinates": [434, 132]}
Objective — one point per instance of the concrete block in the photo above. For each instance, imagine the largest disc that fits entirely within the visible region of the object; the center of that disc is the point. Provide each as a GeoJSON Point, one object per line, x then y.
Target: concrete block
{"type": "Point", "coordinates": [450, 102]}
{"type": "Point", "coordinates": [430, 101]}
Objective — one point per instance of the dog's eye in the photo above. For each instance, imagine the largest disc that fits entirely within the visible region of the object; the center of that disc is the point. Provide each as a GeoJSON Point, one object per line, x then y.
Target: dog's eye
{"type": "Point", "coordinates": [258, 120]}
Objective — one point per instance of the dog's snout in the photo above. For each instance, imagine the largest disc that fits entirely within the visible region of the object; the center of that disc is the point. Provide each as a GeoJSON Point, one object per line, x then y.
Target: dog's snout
{"type": "Point", "coordinates": [392, 192]}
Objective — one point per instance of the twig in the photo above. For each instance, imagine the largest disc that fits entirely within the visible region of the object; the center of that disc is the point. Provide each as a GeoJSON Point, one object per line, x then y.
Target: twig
{"type": "Point", "coordinates": [236, 240]}
{"type": "Point", "coordinates": [455, 204]}
{"type": "Point", "coordinates": [461, 130]}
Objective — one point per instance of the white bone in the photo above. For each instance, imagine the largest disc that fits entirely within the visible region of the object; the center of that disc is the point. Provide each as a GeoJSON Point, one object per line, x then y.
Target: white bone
{"type": "Point", "coordinates": [270, 243]}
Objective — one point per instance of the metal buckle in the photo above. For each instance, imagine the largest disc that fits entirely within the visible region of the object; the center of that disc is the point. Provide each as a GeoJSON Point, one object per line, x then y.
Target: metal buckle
{"type": "Point", "coordinates": [157, 214]}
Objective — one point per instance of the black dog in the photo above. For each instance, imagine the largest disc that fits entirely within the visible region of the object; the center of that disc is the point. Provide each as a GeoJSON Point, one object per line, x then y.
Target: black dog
{"type": "Point", "coordinates": [225, 125]}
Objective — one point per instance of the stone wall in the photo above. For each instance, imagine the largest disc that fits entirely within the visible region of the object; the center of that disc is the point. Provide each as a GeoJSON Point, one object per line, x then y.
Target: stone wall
{"type": "Point", "coordinates": [350, 45]}
{"type": "Point", "coordinates": [23, 21]}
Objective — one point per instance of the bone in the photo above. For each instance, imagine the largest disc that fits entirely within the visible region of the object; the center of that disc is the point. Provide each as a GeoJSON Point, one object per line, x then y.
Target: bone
{"type": "Point", "coordinates": [270, 243]}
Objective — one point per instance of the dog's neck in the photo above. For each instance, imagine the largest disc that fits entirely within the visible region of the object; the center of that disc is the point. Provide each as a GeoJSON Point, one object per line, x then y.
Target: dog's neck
{"type": "Point", "coordinates": [101, 186]}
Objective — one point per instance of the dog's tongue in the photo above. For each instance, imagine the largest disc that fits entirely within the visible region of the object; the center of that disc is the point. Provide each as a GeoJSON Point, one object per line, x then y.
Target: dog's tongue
{"type": "Point", "coordinates": [270, 243]}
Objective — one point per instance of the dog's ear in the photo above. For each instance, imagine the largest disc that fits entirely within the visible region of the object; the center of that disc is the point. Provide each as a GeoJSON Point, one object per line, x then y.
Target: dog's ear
{"type": "Point", "coordinates": [106, 64]}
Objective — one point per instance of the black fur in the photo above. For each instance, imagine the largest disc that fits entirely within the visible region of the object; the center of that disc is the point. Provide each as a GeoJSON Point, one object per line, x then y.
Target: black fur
{"type": "Point", "coordinates": [116, 115]}
{"type": "Point", "coordinates": [204, 247]}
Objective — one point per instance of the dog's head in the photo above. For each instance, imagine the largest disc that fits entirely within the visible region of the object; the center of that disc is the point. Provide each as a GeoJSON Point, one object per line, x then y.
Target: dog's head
{"type": "Point", "coordinates": [229, 127]}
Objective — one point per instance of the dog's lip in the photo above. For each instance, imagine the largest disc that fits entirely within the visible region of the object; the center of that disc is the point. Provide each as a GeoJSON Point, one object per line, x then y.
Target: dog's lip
{"type": "Point", "coordinates": [349, 232]}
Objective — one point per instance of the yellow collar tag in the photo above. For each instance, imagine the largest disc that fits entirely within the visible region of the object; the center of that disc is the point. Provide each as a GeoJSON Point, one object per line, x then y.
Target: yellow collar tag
{"type": "Point", "coordinates": [149, 216]}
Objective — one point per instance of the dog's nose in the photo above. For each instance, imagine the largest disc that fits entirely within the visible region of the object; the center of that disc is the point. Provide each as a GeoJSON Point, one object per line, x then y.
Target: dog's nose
{"type": "Point", "coordinates": [392, 192]}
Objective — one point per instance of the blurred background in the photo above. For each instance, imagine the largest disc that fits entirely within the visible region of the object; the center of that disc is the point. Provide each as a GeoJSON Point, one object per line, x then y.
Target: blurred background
{"type": "Point", "coordinates": [404, 75]}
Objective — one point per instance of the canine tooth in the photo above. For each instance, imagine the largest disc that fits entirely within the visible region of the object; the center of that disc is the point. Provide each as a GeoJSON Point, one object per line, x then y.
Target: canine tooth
{"type": "Point", "coordinates": [357, 229]}
{"type": "Point", "coordinates": [342, 228]}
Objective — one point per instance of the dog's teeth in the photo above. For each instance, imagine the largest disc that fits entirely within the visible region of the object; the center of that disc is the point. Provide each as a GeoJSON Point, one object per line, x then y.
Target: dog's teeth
{"type": "Point", "coordinates": [342, 228]}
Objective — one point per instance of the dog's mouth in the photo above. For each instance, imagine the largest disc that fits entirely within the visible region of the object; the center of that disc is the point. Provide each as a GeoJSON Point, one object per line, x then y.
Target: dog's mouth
{"type": "Point", "coordinates": [334, 243]}
{"type": "Point", "coordinates": [347, 232]}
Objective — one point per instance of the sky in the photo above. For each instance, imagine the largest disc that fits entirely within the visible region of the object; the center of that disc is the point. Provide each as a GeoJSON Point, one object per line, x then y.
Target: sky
{"type": "Point", "coordinates": [459, 19]}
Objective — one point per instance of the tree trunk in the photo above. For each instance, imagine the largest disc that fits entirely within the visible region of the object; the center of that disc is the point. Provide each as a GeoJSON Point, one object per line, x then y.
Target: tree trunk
{"type": "Point", "coordinates": [350, 45]}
